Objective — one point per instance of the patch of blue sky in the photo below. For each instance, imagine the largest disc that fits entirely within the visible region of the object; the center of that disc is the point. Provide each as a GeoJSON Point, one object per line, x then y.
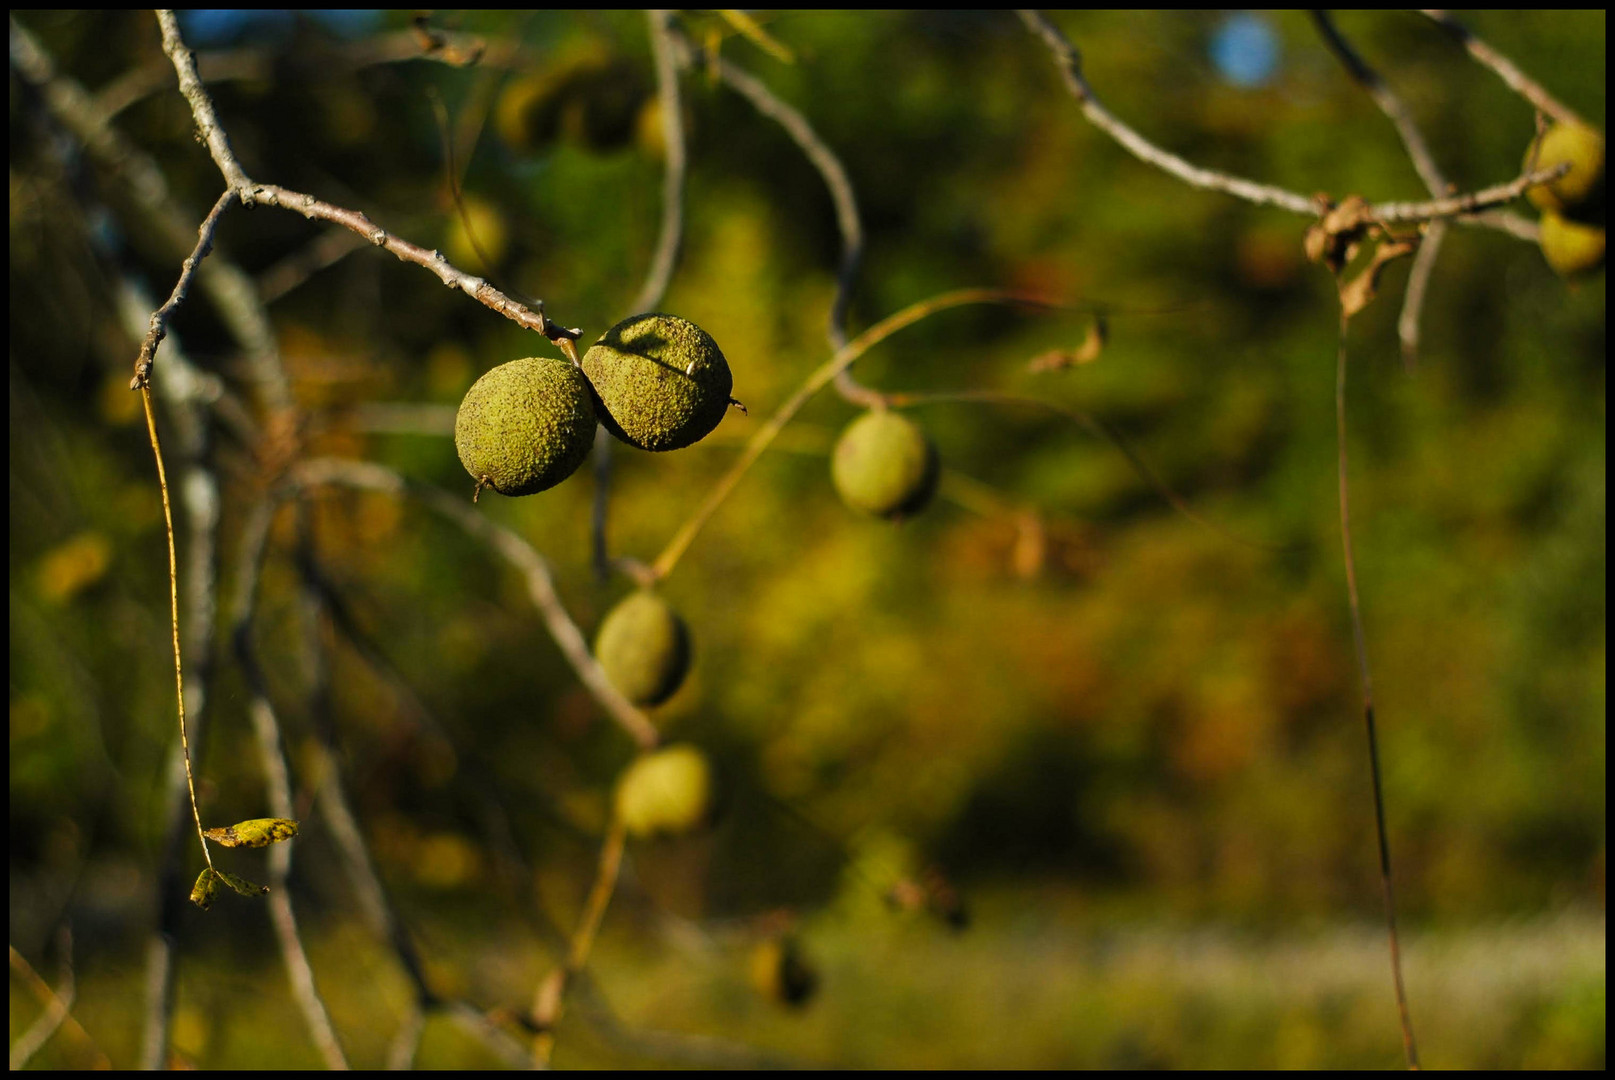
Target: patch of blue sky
{"type": "Point", "coordinates": [1245, 49]}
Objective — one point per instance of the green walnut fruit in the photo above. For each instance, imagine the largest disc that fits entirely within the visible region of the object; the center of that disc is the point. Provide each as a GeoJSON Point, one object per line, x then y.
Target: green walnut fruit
{"type": "Point", "coordinates": [525, 426]}
{"type": "Point", "coordinates": [644, 648]}
{"type": "Point", "coordinates": [1581, 187]}
{"type": "Point", "coordinates": [884, 465]}
{"type": "Point", "coordinates": [1571, 247]}
{"type": "Point", "coordinates": [665, 793]}
{"type": "Point", "coordinates": [660, 382]}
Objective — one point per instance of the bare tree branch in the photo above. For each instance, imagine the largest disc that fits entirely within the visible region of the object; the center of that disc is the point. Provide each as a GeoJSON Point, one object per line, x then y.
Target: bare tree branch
{"type": "Point", "coordinates": [1070, 64]}
{"type": "Point", "coordinates": [1461, 207]}
{"type": "Point", "coordinates": [207, 124]}
{"type": "Point", "coordinates": [252, 193]}
{"type": "Point", "coordinates": [160, 317]}
{"type": "Point", "coordinates": [475, 287]}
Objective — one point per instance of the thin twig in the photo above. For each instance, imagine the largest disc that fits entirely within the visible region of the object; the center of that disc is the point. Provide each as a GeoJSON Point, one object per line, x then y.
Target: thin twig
{"type": "Point", "coordinates": [475, 287]}
{"type": "Point", "coordinates": [1409, 324]}
{"type": "Point", "coordinates": [173, 598]}
{"type": "Point", "coordinates": [540, 585]}
{"type": "Point", "coordinates": [159, 978]}
{"type": "Point", "coordinates": [189, 393]}
{"type": "Point", "coordinates": [202, 498]}
{"type": "Point", "coordinates": [813, 384]}
{"type": "Point", "coordinates": [1359, 640]}
{"type": "Point", "coordinates": [159, 318]}
{"type": "Point", "coordinates": [1460, 207]}
{"type": "Point", "coordinates": [1070, 64]}
{"type": "Point", "coordinates": [1505, 69]}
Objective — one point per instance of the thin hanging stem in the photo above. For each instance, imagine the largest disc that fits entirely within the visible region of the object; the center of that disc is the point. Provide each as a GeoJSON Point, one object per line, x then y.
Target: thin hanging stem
{"type": "Point", "coordinates": [1358, 639]}
{"type": "Point", "coordinates": [173, 607]}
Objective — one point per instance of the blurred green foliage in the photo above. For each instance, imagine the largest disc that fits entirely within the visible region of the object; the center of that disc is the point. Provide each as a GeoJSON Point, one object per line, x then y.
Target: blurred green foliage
{"type": "Point", "coordinates": [1088, 711]}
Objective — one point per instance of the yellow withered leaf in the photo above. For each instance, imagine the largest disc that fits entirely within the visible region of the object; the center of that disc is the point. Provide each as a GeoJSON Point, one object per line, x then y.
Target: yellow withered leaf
{"type": "Point", "coordinates": [258, 832]}
{"type": "Point", "coordinates": [206, 889]}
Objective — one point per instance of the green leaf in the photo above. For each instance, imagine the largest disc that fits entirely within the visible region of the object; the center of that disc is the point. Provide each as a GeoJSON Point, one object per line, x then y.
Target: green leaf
{"type": "Point", "coordinates": [206, 889]}
{"type": "Point", "coordinates": [258, 832]}
{"type": "Point", "coordinates": [241, 884]}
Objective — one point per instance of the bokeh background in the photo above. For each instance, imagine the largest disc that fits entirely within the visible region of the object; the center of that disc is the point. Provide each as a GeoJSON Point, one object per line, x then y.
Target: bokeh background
{"type": "Point", "coordinates": [1128, 744]}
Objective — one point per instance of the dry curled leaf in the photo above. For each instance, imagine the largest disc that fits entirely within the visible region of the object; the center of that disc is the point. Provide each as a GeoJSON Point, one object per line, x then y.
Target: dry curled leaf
{"type": "Point", "coordinates": [1336, 237]}
{"type": "Point", "coordinates": [1359, 292]}
{"type": "Point", "coordinates": [258, 832]}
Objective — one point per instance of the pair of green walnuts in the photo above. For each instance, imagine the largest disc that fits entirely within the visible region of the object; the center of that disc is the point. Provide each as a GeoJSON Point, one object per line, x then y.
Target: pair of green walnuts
{"type": "Point", "coordinates": [1572, 226]}
{"type": "Point", "coordinates": [654, 381]}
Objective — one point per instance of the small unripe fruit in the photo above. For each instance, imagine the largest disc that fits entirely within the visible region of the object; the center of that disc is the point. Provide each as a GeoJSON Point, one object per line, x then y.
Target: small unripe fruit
{"type": "Point", "coordinates": [1571, 247]}
{"type": "Point", "coordinates": [525, 426]}
{"type": "Point", "coordinates": [1576, 190]}
{"type": "Point", "coordinates": [884, 465]}
{"type": "Point", "coordinates": [644, 648]}
{"type": "Point", "coordinates": [665, 793]}
{"type": "Point", "coordinates": [660, 382]}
